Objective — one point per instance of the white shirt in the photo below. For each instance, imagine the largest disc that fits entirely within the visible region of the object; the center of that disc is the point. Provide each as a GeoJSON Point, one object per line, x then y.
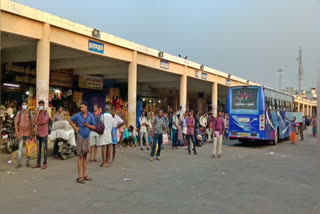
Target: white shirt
{"type": "Point", "coordinates": [106, 138]}
{"type": "Point", "coordinates": [203, 121]}
{"type": "Point", "coordinates": [175, 121]}
{"type": "Point", "coordinates": [116, 121]}
{"type": "Point", "coordinates": [142, 120]}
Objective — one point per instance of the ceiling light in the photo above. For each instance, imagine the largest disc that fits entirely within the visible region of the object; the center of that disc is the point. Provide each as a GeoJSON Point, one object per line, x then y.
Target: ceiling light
{"type": "Point", "coordinates": [11, 85]}
{"type": "Point", "coordinates": [27, 92]}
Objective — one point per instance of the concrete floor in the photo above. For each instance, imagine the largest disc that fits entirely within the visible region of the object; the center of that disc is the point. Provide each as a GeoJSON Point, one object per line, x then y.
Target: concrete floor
{"type": "Point", "coordinates": [250, 178]}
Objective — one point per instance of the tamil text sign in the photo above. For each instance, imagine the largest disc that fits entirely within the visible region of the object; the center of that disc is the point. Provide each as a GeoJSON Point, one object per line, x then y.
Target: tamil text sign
{"type": "Point", "coordinates": [164, 64]}
{"type": "Point", "coordinates": [91, 82]}
{"type": "Point", "coordinates": [96, 47]}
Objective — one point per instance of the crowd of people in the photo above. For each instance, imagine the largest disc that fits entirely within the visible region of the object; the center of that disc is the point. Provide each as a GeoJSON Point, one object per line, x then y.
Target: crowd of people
{"type": "Point", "coordinates": [308, 124]}
{"type": "Point", "coordinates": [104, 129]}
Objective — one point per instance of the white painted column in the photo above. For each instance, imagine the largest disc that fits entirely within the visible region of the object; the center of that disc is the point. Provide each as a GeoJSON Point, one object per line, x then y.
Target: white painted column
{"type": "Point", "coordinates": [183, 90]}
{"type": "Point", "coordinates": [132, 90]}
{"type": "Point", "coordinates": [215, 99]}
{"type": "Point", "coordinates": [43, 65]}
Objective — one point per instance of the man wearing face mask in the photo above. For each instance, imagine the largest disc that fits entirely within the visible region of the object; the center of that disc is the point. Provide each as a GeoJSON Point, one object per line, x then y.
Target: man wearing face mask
{"type": "Point", "coordinates": [24, 130]}
{"type": "Point", "coordinates": [42, 123]}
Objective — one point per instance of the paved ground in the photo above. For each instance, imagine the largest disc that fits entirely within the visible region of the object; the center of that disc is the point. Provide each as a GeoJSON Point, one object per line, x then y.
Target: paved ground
{"type": "Point", "coordinates": [250, 178]}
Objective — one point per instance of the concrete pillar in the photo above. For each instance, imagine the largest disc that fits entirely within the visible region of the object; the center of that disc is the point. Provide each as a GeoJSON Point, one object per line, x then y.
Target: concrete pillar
{"type": "Point", "coordinates": [303, 110]}
{"type": "Point", "coordinates": [298, 107]}
{"type": "Point", "coordinates": [183, 90]}
{"type": "Point", "coordinates": [43, 65]}
{"type": "Point", "coordinates": [132, 90]}
{"type": "Point", "coordinates": [215, 98]}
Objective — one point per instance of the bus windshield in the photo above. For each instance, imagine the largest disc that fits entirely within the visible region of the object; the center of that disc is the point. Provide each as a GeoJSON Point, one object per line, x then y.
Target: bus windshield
{"type": "Point", "coordinates": [244, 98]}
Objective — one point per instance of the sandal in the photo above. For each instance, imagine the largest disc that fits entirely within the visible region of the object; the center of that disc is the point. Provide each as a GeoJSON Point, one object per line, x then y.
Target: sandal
{"type": "Point", "coordinates": [80, 180]}
{"type": "Point", "coordinates": [87, 178]}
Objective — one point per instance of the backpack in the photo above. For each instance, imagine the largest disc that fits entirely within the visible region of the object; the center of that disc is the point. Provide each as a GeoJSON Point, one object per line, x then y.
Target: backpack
{"type": "Point", "coordinates": [100, 125]}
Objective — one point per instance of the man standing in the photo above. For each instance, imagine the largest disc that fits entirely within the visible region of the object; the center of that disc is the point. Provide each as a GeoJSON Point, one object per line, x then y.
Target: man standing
{"type": "Point", "coordinates": [105, 140]}
{"type": "Point", "coordinates": [94, 136]}
{"type": "Point", "coordinates": [175, 124]}
{"type": "Point", "coordinates": [24, 130]}
{"type": "Point", "coordinates": [143, 120]}
{"type": "Point", "coordinates": [42, 123]}
{"type": "Point", "coordinates": [86, 123]}
{"type": "Point", "coordinates": [218, 135]}
{"type": "Point", "coordinates": [159, 128]}
{"type": "Point", "coordinates": [210, 129]}
{"type": "Point", "coordinates": [203, 124]}
{"type": "Point", "coordinates": [117, 122]}
{"type": "Point", "coordinates": [57, 117]}
{"type": "Point", "coordinates": [190, 132]}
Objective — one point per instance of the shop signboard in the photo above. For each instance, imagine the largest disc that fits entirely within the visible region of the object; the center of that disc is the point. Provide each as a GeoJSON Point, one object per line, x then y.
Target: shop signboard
{"type": "Point", "coordinates": [164, 64]}
{"type": "Point", "coordinates": [61, 77]}
{"type": "Point", "coordinates": [91, 82]}
{"type": "Point", "coordinates": [196, 74]}
{"type": "Point", "coordinates": [19, 73]}
{"type": "Point", "coordinates": [96, 47]}
{"type": "Point", "coordinates": [204, 76]}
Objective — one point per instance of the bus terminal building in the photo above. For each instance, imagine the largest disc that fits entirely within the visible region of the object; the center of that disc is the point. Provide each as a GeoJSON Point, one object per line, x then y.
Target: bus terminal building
{"type": "Point", "coordinates": [45, 57]}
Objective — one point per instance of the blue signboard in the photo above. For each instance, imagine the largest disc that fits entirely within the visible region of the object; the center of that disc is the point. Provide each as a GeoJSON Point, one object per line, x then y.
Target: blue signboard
{"type": "Point", "coordinates": [96, 47]}
{"type": "Point", "coordinates": [204, 76]}
{"type": "Point", "coordinates": [164, 64]}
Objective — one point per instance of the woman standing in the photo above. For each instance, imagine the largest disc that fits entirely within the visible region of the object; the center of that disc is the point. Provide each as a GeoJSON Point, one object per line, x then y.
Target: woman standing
{"type": "Point", "coordinates": [293, 135]}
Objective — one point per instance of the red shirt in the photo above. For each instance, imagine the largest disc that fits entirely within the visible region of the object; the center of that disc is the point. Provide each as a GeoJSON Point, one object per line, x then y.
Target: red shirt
{"type": "Point", "coordinates": [219, 125]}
{"type": "Point", "coordinates": [43, 130]}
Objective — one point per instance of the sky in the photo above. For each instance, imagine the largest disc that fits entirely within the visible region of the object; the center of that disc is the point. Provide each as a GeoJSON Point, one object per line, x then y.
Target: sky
{"type": "Point", "coordinates": [247, 38]}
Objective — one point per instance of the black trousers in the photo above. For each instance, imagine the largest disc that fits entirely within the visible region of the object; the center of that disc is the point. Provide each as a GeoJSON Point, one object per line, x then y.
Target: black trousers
{"type": "Point", "coordinates": [194, 143]}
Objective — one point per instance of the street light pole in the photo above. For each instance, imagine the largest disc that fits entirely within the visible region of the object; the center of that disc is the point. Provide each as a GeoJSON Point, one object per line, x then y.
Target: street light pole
{"type": "Point", "coordinates": [280, 71]}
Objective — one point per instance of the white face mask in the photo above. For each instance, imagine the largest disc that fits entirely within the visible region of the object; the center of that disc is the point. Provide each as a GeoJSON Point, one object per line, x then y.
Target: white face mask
{"type": "Point", "coordinates": [41, 108]}
{"type": "Point", "coordinates": [24, 107]}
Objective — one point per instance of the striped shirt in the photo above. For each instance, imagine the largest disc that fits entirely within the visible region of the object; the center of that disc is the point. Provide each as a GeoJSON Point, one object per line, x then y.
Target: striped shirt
{"type": "Point", "coordinates": [43, 119]}
{"type": "Point", "coordinates": [159, 123]}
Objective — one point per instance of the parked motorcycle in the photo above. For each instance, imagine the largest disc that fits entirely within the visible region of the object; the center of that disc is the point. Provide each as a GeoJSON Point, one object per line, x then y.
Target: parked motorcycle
{"type": "Point", "coordinates": [9, 142]}
{"type": "Point", "coordinates": [64, 134]}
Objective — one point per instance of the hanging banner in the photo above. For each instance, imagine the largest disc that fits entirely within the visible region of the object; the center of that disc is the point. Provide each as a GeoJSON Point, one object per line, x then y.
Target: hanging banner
{"type": "Point", "coordinates": [62, 78]}
{"type": "Point", "coordinates": [91, 82]}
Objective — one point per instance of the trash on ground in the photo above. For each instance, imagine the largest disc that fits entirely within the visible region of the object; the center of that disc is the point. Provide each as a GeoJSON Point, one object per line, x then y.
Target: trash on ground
{"type": "Point", "coordinates": [9, 172]}
{"type": "Point", "coordinates": [127, 179]}
{"type": "Point", "coordinates": [271, 153]}
{"type": "Point", "coordinates": [222, 173]}
{"type": "Point", "coordinates": [9, 161]}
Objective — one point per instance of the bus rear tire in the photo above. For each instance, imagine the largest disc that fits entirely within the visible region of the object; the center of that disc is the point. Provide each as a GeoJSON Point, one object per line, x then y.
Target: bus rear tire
{"type": "Point", "coordinates": [276, 140]}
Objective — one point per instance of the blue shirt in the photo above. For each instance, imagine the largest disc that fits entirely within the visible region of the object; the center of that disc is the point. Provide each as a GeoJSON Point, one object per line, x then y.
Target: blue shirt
{"type": "Point", "coordinates": [84, 132]}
